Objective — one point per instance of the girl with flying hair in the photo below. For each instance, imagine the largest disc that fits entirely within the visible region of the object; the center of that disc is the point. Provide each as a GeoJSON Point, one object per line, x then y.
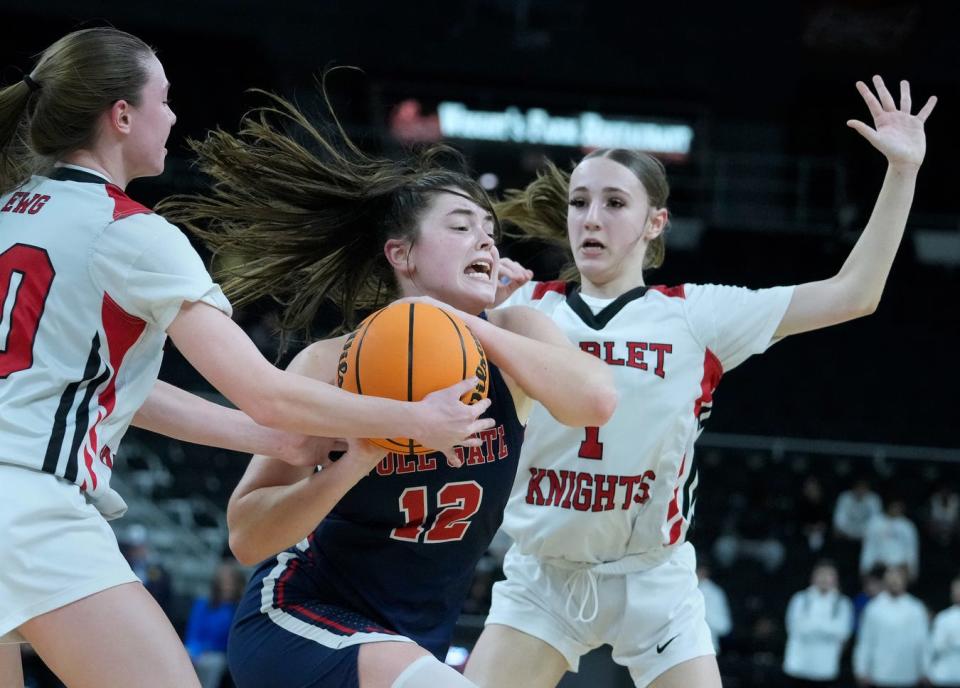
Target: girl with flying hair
{"type": "Point", "coordinates": [91, 284]}
{"type": "Point", "coordinates": [599, 516]}
{"type": "Point", "coordinates": [364, 565]}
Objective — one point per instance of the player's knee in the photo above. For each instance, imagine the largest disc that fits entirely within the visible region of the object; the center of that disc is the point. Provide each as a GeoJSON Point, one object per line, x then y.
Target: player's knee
{"type": "Point", "coordinates": [429, 672]}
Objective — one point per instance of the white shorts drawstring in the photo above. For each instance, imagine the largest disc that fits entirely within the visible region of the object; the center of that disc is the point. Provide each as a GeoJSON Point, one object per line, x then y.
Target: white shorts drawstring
{"type": "Point", "coordinates": [590, 594]}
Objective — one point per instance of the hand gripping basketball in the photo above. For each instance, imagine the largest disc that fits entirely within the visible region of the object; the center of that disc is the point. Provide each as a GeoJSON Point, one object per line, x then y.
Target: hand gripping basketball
{"type": "Point", "coordinates": [409, 350]}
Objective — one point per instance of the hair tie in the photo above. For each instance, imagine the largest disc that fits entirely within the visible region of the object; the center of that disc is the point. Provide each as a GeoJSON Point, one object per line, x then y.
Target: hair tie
{"type": "Point", "coordinates": [31, 84]}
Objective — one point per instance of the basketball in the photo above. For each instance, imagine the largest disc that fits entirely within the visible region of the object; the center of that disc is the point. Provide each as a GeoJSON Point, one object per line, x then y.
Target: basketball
{"type": "Point", "coordinates": [405, 351]}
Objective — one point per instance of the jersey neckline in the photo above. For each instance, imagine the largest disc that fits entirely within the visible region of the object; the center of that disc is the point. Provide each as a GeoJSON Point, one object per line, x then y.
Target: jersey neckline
{"type": "Point", "coordinates": [600, 320]}
{"type": "Point", "coordinates": [71, 174]}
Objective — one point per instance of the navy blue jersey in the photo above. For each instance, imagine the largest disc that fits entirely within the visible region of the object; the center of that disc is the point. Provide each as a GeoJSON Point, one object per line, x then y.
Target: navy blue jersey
{"type": "Point", "coordinates": [399, 549]}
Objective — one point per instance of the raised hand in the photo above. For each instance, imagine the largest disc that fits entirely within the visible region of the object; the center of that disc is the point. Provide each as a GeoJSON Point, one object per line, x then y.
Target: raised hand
{"type": "Point", "coordinates": [895, 132]}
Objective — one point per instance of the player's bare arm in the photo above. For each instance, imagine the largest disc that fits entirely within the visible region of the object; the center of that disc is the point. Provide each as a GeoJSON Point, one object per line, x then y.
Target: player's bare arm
{"type": "Point", "coordinates": [217, 348]}
{"type": "Point", "coordinates": [539, 363]}
{"type": "Point", "coordinates": [856, 289]}
{"type": "Point", "coordinates": [276, 505]}
{"type": "Point", "coordinates": [176, 413]}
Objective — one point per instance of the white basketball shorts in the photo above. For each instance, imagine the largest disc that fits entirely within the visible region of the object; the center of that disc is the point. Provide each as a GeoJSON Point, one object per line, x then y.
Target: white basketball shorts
{"type": "Point", "coordinates": [653, 619]}
{"type": "Point", "coordinates": [55, 548]}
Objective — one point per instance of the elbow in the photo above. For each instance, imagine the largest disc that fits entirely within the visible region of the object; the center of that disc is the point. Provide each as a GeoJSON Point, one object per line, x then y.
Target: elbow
{"type": "Point", "coordinates": [595, 407]}
{"type": "Point", "coordinates": [242, 549]}
{"type": "Point", "coordinates": [603, 396]}
{"type": "Point", "coordinates": [238, 537]}
{"type": "Point", "coordinates": [869, 308]}
{"type": "Point", "coordinates": [599, 399]}
{"type": "Point", "coordinates": [603, 403]}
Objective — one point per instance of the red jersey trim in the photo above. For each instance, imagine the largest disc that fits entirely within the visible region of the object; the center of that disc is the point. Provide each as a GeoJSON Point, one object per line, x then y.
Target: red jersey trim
{"type": "Point", "coordinates": [122, 330]}
{"type": "Point", "coordinates": [673, 292]}
{"type": "Point", "coordinates": [712, 372]}
{"type": "Point", "coordinates": [123, 205]}
{"type": "Point", "coordinates": [542, 288]}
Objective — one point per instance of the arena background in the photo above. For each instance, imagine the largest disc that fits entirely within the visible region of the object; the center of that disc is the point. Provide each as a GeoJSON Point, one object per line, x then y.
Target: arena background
{"type": "Point", "coordinates": [773, 190]}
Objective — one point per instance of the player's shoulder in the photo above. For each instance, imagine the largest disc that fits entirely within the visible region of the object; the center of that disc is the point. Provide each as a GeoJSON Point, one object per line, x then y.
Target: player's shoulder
{"type": "Point", "coordinates": [550, 289]}
{"type": "Point", "coordinates": [123, 206]}
{"type": "Point", "coordinates": [319, 360]}
{"type": "Point", "coordinates": [678, 291]}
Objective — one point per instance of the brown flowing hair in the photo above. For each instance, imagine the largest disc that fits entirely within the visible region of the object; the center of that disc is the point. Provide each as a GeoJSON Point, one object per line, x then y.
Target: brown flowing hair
{"type": "Point", "coordinates": [74, 81]}
{"type": "Point", "coordinates": [539, 211]}
{"type": "Point", "coordinates": [303, 214]}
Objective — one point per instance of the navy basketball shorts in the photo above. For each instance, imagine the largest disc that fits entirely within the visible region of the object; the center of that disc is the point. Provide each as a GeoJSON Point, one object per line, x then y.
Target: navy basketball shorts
{"type": "Point", "coordinates": [287, 636]}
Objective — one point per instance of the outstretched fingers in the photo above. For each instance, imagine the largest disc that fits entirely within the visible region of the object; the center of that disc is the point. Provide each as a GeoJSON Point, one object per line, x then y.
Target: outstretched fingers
{"type": "Point", "coordinates": [905, 102]}
{"type": "Point", "coordinates": [864, 130]}
{"type": "Point", "coordinates": [927, 109]}
{"type": "Point", "coordinates": [886, 100]}
{"type": "Point", "coordinates": [876, 110]}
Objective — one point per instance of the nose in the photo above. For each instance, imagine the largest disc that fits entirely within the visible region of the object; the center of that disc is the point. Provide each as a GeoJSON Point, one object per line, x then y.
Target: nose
{"type": "Point", "coordinates": [592, 219]}
{"type": "Point", "coordinates": [173, 117]}
{"type": "Point", "coordinates": [484, 240]}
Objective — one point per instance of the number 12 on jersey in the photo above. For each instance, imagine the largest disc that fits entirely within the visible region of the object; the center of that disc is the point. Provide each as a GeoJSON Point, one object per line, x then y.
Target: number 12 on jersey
{"type": "Point", "coordinates": [458, 502]}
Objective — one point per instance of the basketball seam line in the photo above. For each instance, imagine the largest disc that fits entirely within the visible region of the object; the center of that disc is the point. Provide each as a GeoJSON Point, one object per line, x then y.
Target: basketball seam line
{"type": "Point", "coordinates": [410, 366]}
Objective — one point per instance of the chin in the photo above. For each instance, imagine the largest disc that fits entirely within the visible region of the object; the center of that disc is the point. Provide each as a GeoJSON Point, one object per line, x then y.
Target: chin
{"type": "Point", "coordinates": [474, 302]}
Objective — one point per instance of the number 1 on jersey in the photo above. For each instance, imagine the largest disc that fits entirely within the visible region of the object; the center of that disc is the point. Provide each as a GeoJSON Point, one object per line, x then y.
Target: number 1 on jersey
{"type": "Point", "coordinates": [591, 447]}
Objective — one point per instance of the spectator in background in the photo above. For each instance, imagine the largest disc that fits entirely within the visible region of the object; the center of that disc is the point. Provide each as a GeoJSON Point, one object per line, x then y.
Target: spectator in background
{"type": "Point", "coordinates": [819, 622]}
{"type": "Point", "coordinates": [943, 652]}
{"type": "Point", "coordinates": [854, 510]}
{"type": "Point", "coordinates": [871, 587]}
{"type": "Point", "coordinates": [943, 515]}
{"type": "Point", "coordinates": [813, 514]}
{"type": "Point", "coordinates": [892, 638]}
{"type": "Point", "coordinates": [891, 540]}
{"type": "Point", "coordinates": [715, 603]}
{"type": "Point", "coordinates": [136, 550]}
{"type": "Point", "coordinates": [210, 621]}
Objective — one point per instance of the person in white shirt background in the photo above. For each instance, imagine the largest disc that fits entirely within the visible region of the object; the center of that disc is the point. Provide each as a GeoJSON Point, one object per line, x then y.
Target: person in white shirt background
{"type": "Point", "coordinates": [854, 510]}
{"type": "Point", "coordinates": [715, 604]}
{"type": "Point", "coordinates": [892, 638]}
{"type": "Point", "coordinates": [943, 651]}
{"type": "Point", "coordinates": [819, 622]}
{"type": "Point", "coordinates": [891, 540]}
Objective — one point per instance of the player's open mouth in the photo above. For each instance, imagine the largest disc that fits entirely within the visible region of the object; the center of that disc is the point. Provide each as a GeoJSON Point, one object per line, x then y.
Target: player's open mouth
{"type": "Point", "coordinates": [591, 247]}
{"type": "Point", "coordinates": [480, 270]}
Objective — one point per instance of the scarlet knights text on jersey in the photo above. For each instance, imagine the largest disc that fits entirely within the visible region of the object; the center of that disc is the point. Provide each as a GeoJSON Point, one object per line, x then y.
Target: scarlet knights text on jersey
{"type": "Point", "coordinates": [89, 282]}
{"type": "Point", "coordinates": [397, 553]}
{"type": "Point", "coordinates": [629, 488]}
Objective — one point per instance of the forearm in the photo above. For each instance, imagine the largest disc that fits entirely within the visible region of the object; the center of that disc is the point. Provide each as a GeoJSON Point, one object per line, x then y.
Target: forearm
{"type": "Point", "coordinates": [867, 267]}
{"type": "Point", "coordinates": [299, 404]}
{"type": "Point", "coordinates": [225, 356]}
{"type": "Point", "coordinates": [268, 520]}
{"type": "Point", "coordinates": [548, 372]}
{"type": "Point", "coordinates": [181, 415]}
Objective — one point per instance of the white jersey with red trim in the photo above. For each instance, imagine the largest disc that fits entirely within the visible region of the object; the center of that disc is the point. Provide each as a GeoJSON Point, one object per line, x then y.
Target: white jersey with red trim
{"type": "Point", "coordinates": [592, 495]}
{"type": "Point", "coordinates": [89, 282]}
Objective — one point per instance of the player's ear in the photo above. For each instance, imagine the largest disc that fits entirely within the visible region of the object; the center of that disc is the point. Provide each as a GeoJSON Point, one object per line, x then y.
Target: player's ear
{"type": "Point", "coordinates": [656, 223]}
{"type": "Point", "coordinates": [397, 252]}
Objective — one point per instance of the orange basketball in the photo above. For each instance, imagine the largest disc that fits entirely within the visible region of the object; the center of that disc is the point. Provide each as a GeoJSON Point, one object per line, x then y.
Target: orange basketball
{"type": "Point", "coordinates": [406, 351]}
